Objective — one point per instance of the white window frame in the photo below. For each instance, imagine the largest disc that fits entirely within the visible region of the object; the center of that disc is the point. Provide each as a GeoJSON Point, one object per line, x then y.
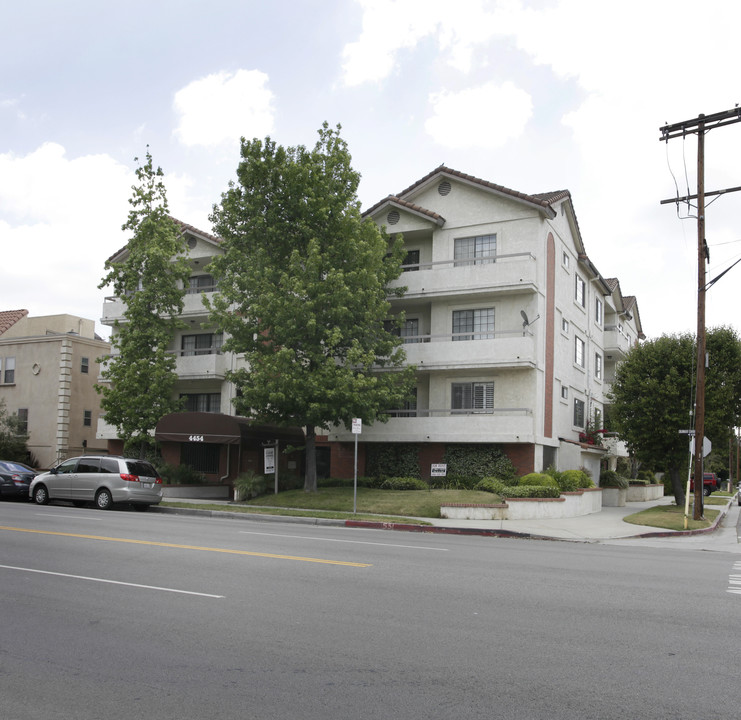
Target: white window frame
{"type": "Point", "coordinates": [472, 397]}
{"type": "Point", "coordinates": [478, 326]}
{"type": "Point", "coordinates": [579, 413]}
{"type": "Point", "coordinates": [599, 311]}
{"type": "Point", "coordinates": [580, 291]}
{"type": "Point", "coordinates": [598, 366]}
{"type": "Point", "coordinates": [579, 351]}
{"type": "Point", "coordinates": [475, 250]}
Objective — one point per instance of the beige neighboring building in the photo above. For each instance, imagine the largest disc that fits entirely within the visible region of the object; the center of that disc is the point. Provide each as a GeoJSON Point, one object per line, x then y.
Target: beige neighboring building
{"type": "Point", "coordinates": [48, 370]}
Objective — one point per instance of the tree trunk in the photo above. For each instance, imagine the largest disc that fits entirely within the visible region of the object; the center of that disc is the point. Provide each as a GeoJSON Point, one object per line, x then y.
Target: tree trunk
{"type": "Point", "coordinates": [677, 486]}
{"type": "Point", "coordinates": [310, 475]}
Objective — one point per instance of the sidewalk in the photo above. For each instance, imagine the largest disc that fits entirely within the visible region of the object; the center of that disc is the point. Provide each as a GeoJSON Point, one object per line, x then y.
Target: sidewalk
{"type": "Point", "coordinates": [608, 524]}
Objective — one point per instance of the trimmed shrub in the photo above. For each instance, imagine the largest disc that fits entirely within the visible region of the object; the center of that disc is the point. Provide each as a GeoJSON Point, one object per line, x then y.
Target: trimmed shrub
{"type": "Point", "coordinates": [609, 478]}
{"type": "Point", "coordinates": [392, 460]}
{"type": "Point", "coordinates": [538, 479]}
{"type": "Point", "coordinates": [479, 461]}
{"type": "Point", "coordinates": [403, 483]}
{"type": "Point", "coordinates": [490, 485]}
{"type": "Point", "coordinates": [455, 482]}
{"type": "Point", "coordinates": [531, 491]}
{"type": "Point", "coordinates": [180, 475]}
{"type": "Point", "coordinates": [648, 475]}
{"type": "Point", "coordinates": [571, 480]}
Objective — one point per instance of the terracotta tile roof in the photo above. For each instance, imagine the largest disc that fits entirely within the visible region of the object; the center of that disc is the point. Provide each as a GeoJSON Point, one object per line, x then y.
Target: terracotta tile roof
{"type": "Point", "coordinates": [8, 318]}
{"type": "Point", "coordinates": [397, 201]}
{"type": "Point", "coordinates": [184, 227]}
{"type": "Point", "coordinates": [542, 200]}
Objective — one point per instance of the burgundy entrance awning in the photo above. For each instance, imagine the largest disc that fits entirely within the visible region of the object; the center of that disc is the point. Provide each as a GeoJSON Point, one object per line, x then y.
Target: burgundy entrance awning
{"type": "Point", "coordinates": [220, 429]}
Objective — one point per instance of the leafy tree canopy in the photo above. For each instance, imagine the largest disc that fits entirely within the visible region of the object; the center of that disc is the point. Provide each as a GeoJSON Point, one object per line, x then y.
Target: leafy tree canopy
{"type": "Point", "coordinates": [303, 291]}
{"type": "Point", "coordinates": [150, 280]}
{"type": "Point", "coordinates": [653, 398]}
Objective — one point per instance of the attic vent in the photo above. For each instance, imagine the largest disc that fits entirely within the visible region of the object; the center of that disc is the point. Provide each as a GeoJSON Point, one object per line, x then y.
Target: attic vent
{"type": "Point", "coordinates": [393, 217]}
{"type": "Point", "coordinates": [191, 242]}
{"type": "Point", "coordinates": [444, 187]}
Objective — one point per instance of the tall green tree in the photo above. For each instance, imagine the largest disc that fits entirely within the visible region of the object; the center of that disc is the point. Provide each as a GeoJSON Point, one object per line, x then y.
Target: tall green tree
{"type": "Point", "coordinates": [149, 278]}
{"type": "Point", "coordinates": [303, 291]}
{"type": "Point", "coordinates": [653, 398]}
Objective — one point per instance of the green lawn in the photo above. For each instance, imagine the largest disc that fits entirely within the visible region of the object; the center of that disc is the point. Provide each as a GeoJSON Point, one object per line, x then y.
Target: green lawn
{"type": "Point", "coordinates": [670, 517]}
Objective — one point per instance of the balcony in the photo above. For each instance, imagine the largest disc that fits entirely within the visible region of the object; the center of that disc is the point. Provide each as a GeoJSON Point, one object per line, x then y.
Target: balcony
{"type": "Point", "coordinates": [201, 366]}
{"type": "Point", "coordinates": [504, 273]}
{"type": "Point", "coordinates": [483, 350]}
{"type": "Point", "coordinates": [114, 308]}
{"type": "Point", "coordinates": [616, 342]}
{"type": "Point", "coordinates": [501, 425]}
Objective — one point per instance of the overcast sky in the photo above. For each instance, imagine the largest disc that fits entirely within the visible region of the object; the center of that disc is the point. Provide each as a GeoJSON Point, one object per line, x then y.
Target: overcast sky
{"type": "Point", "coordinates": [536, 95]}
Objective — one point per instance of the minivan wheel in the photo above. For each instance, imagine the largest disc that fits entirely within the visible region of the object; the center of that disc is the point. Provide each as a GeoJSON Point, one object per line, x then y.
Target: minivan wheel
{"type": "Point", "coordinates": [41, 495]}
{"type": "Point", "coordinates": [104, 499]}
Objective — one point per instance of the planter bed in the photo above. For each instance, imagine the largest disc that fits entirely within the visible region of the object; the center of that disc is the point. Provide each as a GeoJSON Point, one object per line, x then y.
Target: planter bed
{"type": "Point", "coordinates": [197, 492]}
{"type": "Point", "coordinates": [643, 493]}
{"type": "Point", "coordinates": [571, 504]}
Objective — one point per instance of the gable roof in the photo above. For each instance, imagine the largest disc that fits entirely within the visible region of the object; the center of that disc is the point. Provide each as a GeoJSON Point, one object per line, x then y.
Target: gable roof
{"type": "Point", "coordinates": [184, 229]}
{"type": "Point", "coordinates": [394, 201]}
{"type": "Point", "coordinates": [8, 318]}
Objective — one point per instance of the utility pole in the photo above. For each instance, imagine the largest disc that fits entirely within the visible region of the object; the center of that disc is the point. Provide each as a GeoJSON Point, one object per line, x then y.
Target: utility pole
{"type": "Point", "coordinates": [699, 126]}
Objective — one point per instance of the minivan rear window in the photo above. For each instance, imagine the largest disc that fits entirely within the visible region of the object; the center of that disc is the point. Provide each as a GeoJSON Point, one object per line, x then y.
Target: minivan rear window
{"type": "Point", "coordinates": [141, 468]}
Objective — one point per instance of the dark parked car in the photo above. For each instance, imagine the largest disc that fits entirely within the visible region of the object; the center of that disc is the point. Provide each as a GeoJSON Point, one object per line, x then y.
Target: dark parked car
{"type": "Point", "coordinates": [15, 479]}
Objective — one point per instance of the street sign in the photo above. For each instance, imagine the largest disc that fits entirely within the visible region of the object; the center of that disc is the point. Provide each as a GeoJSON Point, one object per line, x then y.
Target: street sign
{"type": "Point", "coordinates": [357, 426]}
{"type": "Point", "coordinates": [707, 446]}
{"type": "Point", "coordinates": [269, 460]}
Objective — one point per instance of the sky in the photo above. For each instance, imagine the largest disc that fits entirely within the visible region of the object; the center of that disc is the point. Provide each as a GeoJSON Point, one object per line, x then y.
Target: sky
{"type": "Point", "coordinates": [535, 95]}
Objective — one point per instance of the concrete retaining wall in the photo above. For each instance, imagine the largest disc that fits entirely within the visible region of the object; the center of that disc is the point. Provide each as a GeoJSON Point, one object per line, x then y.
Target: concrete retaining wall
{"type": "Point", "coordinates": [197, 492]}
{"type": "Point", "coordinates": [573, 504]}
{"type": "Point", "coordinates": [643, 493]}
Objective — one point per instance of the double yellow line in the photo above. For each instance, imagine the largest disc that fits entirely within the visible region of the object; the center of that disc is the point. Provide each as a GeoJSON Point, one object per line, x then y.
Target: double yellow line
{"type": "Point", "coordinates": [188, 547]}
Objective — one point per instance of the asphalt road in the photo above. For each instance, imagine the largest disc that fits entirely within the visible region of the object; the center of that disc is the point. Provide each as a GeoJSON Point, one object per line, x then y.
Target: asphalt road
{"type": "Point", "coordinates": [127, 615]}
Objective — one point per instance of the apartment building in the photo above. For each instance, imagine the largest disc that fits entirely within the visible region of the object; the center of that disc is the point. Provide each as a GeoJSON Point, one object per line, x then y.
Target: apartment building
{"type": "Point", "coordinates": [514, 332]}
{"type": "Point", "coordinates": [48, 370]}
{"type": "Point", "coordinates": [207, 436]}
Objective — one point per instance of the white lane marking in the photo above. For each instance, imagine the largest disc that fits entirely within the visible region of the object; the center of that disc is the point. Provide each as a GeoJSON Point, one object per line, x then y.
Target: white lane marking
{"type": "Point", "coordinates": [111, 582]}
{"type": "Point", "coordinates": [352, 542]}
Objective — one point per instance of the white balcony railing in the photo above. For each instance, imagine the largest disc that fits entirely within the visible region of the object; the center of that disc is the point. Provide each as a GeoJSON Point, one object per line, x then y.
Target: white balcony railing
{"type": "Point", "coordinates": [510, 273]}
{"type": "Point", "coordinates": [471, 349]}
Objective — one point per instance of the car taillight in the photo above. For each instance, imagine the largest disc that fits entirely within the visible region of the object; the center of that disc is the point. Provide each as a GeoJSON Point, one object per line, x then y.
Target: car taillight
{"type": "Point", "coordinates": [158, 480]}
{"type": "Point", "coordinates": [129, 478]}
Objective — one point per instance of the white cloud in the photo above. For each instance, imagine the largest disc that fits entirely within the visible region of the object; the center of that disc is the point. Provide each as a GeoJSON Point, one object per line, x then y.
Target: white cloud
{"type": "Point", "coordinates": [390, 26]}
{"type": "Point", "coordinates": [223, 107]}
{"type": "Point", "coordinates": [485, 117]}
{"type": "Point", "coordinates": [60, 219]}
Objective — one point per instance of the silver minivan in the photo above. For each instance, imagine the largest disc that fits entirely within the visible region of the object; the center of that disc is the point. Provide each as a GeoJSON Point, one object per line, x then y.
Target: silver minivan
{"type": "Point", "coordinates": [100, 479]}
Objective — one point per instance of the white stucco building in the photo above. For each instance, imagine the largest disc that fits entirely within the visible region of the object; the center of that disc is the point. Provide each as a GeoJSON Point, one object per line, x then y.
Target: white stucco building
{"type": "Point", "coordinates": [514, 331]}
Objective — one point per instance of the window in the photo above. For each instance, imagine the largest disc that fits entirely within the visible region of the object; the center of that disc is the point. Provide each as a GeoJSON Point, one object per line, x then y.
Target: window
{"type": "Point", "coordinates": [23, 420]}
{"type": "Point", "coordinates": [410, 331]}
{"type": "Point", "coordinates": [564, 392]}
{"type": "Point", "coordinates": [84, 365]}
{"type": "Point", "coordinates": [9, 376]}
{"type": "Point", "coordinates": [565, 325]}
{"type": "Point", "coordinates": [479, 322]}
{"type": "Point", "coordinates": [597, 419]}
{"type": "Point", "coordinates": [578, 413]}
{"type": "Point", "coordinates": [87, 418]}
{"type": "Point", "coordinates": [204, 344]}
{"type": "Point", "coordinates": [200, 283]}
{"type": "Point", "coordinates": [202, 457]}
{"type": "Point", "coordinates": [478, 250]}
{"type": "Point", "coordinates": [580, 294]}
{"type": "Point", "coordinates": [88, 465]}
{"type": "Point", "coordinates": [598, 366]}
{"type": "Point", "coordinates": [202, 402]}
{"type": "Point", "coordinates": [565, 260]}
{"type": "Point", "coordinates": [411, 261]}
{"type": "Point", "coordinates": [409, 408]}
{"type": "Point", "coordinates": [598, 312]}
{"type": "Point", "coordinates": [579, 351]}
{"type": "Point", "coordinates": [473, 396]}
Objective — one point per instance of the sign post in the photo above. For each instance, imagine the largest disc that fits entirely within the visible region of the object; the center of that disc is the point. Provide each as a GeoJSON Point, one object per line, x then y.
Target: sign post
{"type": "Point", "coordinates": [357, 428]}
{"type": "Point", "coordinates": [270, 461]}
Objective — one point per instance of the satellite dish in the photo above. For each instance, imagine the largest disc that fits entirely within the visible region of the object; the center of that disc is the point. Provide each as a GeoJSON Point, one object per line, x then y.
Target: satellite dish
{"type": "Point", "coordinates": [525, 321]}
